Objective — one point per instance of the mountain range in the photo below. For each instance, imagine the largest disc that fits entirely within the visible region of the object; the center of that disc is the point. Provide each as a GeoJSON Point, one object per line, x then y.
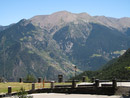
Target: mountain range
{"type": "Point", "coordinates": [48, 45]}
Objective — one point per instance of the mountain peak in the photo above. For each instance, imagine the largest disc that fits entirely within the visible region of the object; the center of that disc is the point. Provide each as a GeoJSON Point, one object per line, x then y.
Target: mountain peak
{"type": "Point", "coordinates": [24, 22]}
{"type": "Point", "coordinates": [62, 12]}
{"type": "Point", "coordinates": [84, 14]}
{"type": "Point", "coordinates": [58, 18]}
{"type": "Point", "coordinates": [63, 17]}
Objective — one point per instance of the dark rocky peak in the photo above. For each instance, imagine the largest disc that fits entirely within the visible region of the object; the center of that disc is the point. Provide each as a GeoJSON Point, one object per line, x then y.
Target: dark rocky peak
{"type": "Point", "coordinates": [24, 22]}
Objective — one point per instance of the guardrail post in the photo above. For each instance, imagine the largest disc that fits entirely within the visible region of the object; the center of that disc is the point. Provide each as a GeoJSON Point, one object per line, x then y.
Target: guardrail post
{"type": "Point", "coordinates": [114, 83]}
{"type": "Point", "coordinates": [97, 83]}
{"type": "Point", "coordinates": [83, 79]}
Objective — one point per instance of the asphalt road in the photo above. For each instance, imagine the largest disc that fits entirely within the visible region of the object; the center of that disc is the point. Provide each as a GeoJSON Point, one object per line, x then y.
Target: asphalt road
{"type": "Point", "coordinates": [53, 95]}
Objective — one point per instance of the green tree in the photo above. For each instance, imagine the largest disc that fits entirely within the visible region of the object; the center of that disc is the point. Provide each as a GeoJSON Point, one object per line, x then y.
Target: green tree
{"type": "Point", "coordinates": [22, 93]}
{"type": "Point", "coordinates": [30, 78]}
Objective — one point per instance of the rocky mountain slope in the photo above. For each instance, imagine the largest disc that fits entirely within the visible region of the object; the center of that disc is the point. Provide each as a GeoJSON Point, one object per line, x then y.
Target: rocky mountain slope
{"type": "Point", "coordinates": [25, 49]}
{"type": "Point", "coordinates": [48, 45]}
{"type": "Point", "coordinates": [3, 27]}
{"type": "Point", "coordinates": [118, 68]}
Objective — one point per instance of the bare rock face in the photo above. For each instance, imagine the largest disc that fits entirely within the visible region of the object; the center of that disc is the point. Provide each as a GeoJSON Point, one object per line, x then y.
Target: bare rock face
{"type": "Point", "coordinates": [64, 17]}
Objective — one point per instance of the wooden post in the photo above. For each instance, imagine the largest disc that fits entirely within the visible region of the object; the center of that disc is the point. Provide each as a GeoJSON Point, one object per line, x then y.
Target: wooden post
{"type": "Point", "coordinates": [60, 78]}
{"type": "Point", "coordinates": [73, 83]}
{"type": "Point", "coordinates": [20, 80]}
{"type": "Point", "coordinates": [83, 79]}
{"type": "Point", "coordinates": [33, 86]}
{"type": "Point", "coordinates": [39, 80]}
{"type": "Point", "coordinates": [0, 80]}
{"type": "Point", "coordinates": [93, 79]}
{"type": "Point", "coordinates": [43, 83]}
{"type": "Point", "coordinates": [9, 89]}
{"type": "Point", "coordinates": [52, 84]}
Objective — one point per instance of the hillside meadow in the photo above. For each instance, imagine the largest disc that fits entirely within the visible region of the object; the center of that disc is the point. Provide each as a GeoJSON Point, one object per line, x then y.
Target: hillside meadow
{"type": "Point", "coordinates": [16, 86]}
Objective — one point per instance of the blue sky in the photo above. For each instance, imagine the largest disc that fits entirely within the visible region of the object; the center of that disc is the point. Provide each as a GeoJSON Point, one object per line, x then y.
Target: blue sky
{"type": "Point", "coordinates": [11, 11]}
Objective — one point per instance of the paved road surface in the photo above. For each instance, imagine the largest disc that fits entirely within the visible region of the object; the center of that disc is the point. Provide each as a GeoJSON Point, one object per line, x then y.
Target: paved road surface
{"type": "Point", "coordinates": [127, 84]}
{"type": "Point", "coordinates": [53, 95]}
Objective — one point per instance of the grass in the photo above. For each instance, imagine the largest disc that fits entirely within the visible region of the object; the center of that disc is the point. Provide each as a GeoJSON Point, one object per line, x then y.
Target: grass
{"type": "Point", "coordinates": [119, 52]}
{"type": "Point", "coordinates": [96, 55]}
{"type": "Point", "coordinates": [62, 83]}
{"type": "Point", "coordinates": [16, 86]}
